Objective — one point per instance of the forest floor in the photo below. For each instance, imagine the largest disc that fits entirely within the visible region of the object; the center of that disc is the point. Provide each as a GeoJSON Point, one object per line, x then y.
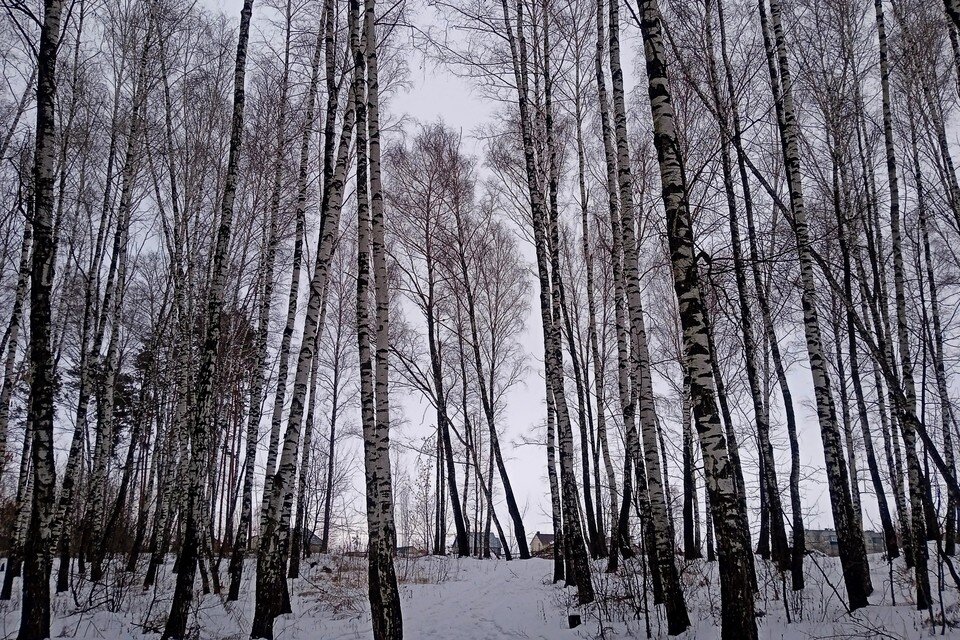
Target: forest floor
{"type": "Point", "coordinates": [470, 599]}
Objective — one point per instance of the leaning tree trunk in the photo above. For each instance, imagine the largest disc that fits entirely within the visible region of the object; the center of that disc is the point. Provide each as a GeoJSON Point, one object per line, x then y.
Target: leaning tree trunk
{"type": "Point", "coordinates": [553, 355]}
{"type": "Point", "coordinates": [796, 507]}
{"type": "Point", "coordinates": [598, 364]}
{"type": "Point", "coordinates": [259, 380]}
{"type": "Point", "coordinates": [299, 534]}
{"type": "Point", "coordinates": [946, 408]}
{"type": "Point", "coordinates": [890, 535]}
{"type": "Point", "coordinates": [559, 566]}
{"type": "Point", "coordinates": [201, 422]}
{"type": "Point", "coordinates": [578, 573]}
{"type": "Point", "coordinates": [487, 402]}
{"type": "Point", "coordinates": [778, 533]}
{"type": "Point", "coordinates": [853, 555]}
{"type": "Point", "coordinates": [665, 564]}
{"type": "Point", "coordinates": [35, 611]}
{"type": "Point", "coordinates": [293, 297]}
{"type": "Point", "coordinates": [737, 616]}
{"type": "Point", "coordinates": [906, 364]}
{"type": "Point", "coordinates": [106, 421]}
{"type": "Point", "coordinates": [272, 596]}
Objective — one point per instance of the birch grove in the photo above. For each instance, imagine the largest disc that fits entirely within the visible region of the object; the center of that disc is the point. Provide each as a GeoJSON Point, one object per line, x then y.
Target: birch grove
{"type": "Point", "coordinates": [655, 299]}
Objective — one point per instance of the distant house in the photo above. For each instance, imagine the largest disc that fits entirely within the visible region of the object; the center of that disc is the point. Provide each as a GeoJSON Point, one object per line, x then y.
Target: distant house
{"type": "Point", "coordinates": [311, 541]}
{"type": "Point", "coordinates": [541, 543]}
{"type": "Point", "coordinates": [410, 552]}
{"type": "Point", "coordinates": [825, 541]}
{"type": "Point", "coordinates": [476, 548]}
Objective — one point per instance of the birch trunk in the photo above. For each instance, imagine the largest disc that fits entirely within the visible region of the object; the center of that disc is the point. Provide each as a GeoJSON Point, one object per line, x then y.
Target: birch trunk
{"type": "Point", "coordinates": [778, 535]}
{"type": "Point", "coordinates": [573, 543]}
{"type": "Point", "coordinates": [906, 365]}
{"type": "Point", "coordinates": [106, 426]}
{"type": "Point", "coordinates": [946, 408]}
{"type": "Point", "coordinates": [578, 573]}
{"type": "Point", "coordinates": [272, 596]}
{"type": "Point", "coordinates": [21, 521]}
{"type": "Point", "coordinates": [256, 391]}
{"type": "Point", "coordinates": [620, 539]}
{"type": "Point", "coordinates": [691, 548]}
{"type": "Point", "coordinates": [853, 555]}
{"type": "Point", "coordinates": [13, 339]}
{"type": "Point", "coordinates": [486, 394]}
{"type": "Point", "coordinates": [600, 543]}
{"type": "Point", "coordinates": [382, 578]}
{"type": "Point", "coordinates": [796, 507]}
{"type": "Point", "coordinates": [559, 566]}
{"type": "Point", "coordinates": [299, 534]}
{"type": "Point", "coordinates": [737, 616]}
{"type": "Point", "coordinates": [665, 565]}
{"type": "Point", "coordinates": [267, 274]}
{"type": "Point", "coordinates": [35, 607]}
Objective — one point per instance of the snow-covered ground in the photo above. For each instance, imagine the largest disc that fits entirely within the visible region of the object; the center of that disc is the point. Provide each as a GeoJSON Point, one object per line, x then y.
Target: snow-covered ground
{"type": "Point", "coordinates": [468, 599]}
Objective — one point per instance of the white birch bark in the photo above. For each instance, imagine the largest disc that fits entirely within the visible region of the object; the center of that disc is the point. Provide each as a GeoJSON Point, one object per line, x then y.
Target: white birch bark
{"type": "Point", "coordinates": [737, 613]}
{"type": "Point", "coordinates": [35, 602]}
{"type": "Point", "coordinates": [852, 550]}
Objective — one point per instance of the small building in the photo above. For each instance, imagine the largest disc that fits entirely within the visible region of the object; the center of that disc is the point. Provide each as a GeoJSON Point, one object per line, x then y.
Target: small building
{"type": "Point", "coordinates": [541, 543]}
{"type": "Point", "coordinates": [875, 542]}
{"type": "Point", "coordinates": [825, 541]}
{"type": "Point", "coordinates": [477, 546]}
{"type": "Point", "coordinates": [311, 542]}
{"type": "Point", "coordinates": [410, 552]}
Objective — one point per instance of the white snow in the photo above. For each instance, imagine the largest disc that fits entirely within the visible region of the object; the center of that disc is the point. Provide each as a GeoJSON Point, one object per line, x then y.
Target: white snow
{"type": "Point", "coordinates": [470, 599]}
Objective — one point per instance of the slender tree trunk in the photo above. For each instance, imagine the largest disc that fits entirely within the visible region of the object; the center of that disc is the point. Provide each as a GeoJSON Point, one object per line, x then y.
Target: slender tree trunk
{"type": "Point", "coordinates": [620, 540]}
{"type": "Point", "coordinates": [13, 339]}
{"type": "Point", "coordinates": [578, 573]}
{"type": "Point", "coordinates": [853, 554]}
{"type": "Point", "coordinates": [21, 521]}
{"type": "Point", "coordinates": [906, 364]}
{"type": "Point", "coordinates": [946, 408]}
{"type": "Point", "coordinates": [798, 546]}
{"type": "Point", "coordinates": [737, 617]}
{"type": "Point", "coordinates": [771, 491]}
{"type": "Point", "coordinates": [664, 563]}
{"type": "Point", "coordinates": [486, 401]}
{"type": "Point", "coordinates": [299, 535]}
{"type": "Point", "coordinates": [382, 579]}
{"type": "Point", "coordinates": [256, 391]}
{"type": "Point", "coordinates": [272, 596]}
{"type": "Point", "coordinates": [691, 550]}
{"type": "Point", "coordinates": [35, 607]}
{"type": "Point", "coordinates": [559, 566]}
{"type": "Point", "coordinates": [106, 419]}
{"type": "Point", "coordinates": [549, 311]}
{"type": "Point", "coordinates": [599, 541]}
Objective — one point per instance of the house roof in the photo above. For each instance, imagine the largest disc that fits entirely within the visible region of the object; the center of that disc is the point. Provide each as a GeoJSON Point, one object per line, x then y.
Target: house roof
{"type": "Point", "coordinates": [544, 537]}
{"type": "Point", "coordinates": [477, 537]}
